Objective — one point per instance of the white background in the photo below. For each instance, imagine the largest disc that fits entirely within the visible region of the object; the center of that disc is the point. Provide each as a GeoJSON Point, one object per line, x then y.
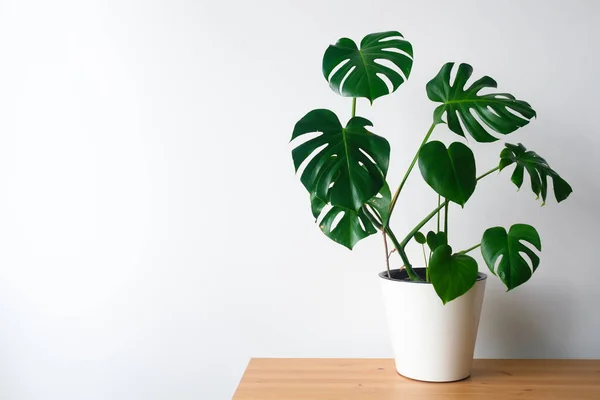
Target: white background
{"type": "Point", "coordinates": [153, 236]}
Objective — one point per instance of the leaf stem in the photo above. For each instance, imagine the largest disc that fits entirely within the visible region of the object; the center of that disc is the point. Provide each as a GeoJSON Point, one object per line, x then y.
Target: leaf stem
{"type": "Point", "coordinates": [470, 249]}
{"type": "Point", "coordinates": [410, 168]}
{"type": "Point", "coordinates": [426, 267]}
{"type": "Point", "coordinates": [400, 249]}
{"type": "Point", "coordinates": [489, 172]}
{"type": "Point", "coordinates": [387, 254]}
{"type": "Point", "coordinates": [421, 224]}
{"type": "Point", "coordinates": [438, 213]}
{"type": "Point", "coordinates": [353, 107]}
{"type": "Point", "coordinates": [446, 219]}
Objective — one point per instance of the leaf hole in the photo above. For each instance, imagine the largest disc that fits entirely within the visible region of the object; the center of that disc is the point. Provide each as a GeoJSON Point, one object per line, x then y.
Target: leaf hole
{"type": "Point", "coordinates": [398, 51]}
{"type": "Point", "coordinates": [528, 245]}
{"type": "Point", "coordinates": [453, 73]}
{"type": "Point", "coordinates": [308, 159]}
{"type": "Point", "coordinates": [367, 155]}
{"type": "Point", "coordinates": [389, 64]}
{"type": "Point", "coordinates": [460, 122]}
{"type": "Point", "coordinates": [337, 220]}
{"type": "Point", "coordinates": [362, 225]}
{"type": "Point", "coordinates": [518, 115]}
{"type": "Point", "coordinates": [497, 263]}
{"type": "Point", "coordinates": [324, 212]}
{"type": "Point", "coordinates": [337, 68]}
{"type": "Point", "coordinates": [490, 109]}
{"type": "Point", "coordinates": [343, 81]}
{"type": "Point", "coordinates": [373, 210]}
{"type": "Point", "coordinates": [527, 260]}
{"type": "Point", "coordinates": [390, 38]}
{"type": "Point", "coordinates": [386, 81]}
{"type": "Point", "coordinates": [304, 138]}
{"type": "Point", "coordinates": [484, 125]}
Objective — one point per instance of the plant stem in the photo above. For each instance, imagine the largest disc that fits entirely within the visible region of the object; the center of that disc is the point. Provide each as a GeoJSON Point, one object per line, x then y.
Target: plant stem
{"type": "Point", "coordinates": [420, 224]}
{"type": "Point", "coordinates": [470, 249]}
{"type": "Point", "coordinates": [410, 168]}
{"type": "Point", "coordinates": [353, 107]}
{"type": "Point", "coordinates": [411, 272]}
{"type": "Point", "coordinates": [446, 219]}
{"type": "Point", "coordinates": [489, 172]}
{"type": "Point", "coordinates": [438, 213]}
{"type": "Point", "coordinates": [426, 267]}
{"type": "Point", "coordinates": [387, 254]}
{"type": "Point", "coordinates": [400, 249]}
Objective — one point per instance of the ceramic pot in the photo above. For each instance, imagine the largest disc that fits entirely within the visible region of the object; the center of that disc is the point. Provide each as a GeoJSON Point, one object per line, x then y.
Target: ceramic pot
{"type": "Point", "coordinates": [432, 342]}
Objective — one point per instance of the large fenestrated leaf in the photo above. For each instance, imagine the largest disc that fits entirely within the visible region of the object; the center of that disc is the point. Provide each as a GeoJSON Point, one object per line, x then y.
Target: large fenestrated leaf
{"type": "Point", "coordinates": [538, 170]}
{"type": "Point", "coordinates": [347, 166]}
{"type": "Point", "coordinates": [452, 275]}
{"type": "Point", "coordinates": [358, 69]}
{"type": "Point", "coordinates": [497, 111]}
{"type": "Point", "coordinates": [350, 228]}
{"type": "Point", "coordinates": [449, 171]}
{"type": "Point", "coordinates": [512, 268]}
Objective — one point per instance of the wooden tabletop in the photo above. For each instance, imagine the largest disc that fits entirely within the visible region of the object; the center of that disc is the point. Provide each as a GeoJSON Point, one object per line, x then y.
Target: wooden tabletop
{"type": "Point", "coordinates": [377, 379]}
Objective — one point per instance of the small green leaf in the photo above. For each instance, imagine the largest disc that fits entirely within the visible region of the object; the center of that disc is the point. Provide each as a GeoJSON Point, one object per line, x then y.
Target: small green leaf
{"type": "Point", "coordinates": [512, 268]}
{"type": "Point", "coordinates": [351, 228]}
{"type": "Point", "coordinates": [360, 69]}
{"type": "Point", "coordinates": [498, 111]}
{"type": "Point", "coordinates": [450, 172]}
{"type": "Point", "coordinates": [420, 238]}
{"type": "Point", "coordinates": [452, 275]}
{"type": "Point", "coordinates": [346, 166]}
{"type": "Point", "coordinates": [538, 170]}
{"type": "Point", "coordinates": [434, 240]}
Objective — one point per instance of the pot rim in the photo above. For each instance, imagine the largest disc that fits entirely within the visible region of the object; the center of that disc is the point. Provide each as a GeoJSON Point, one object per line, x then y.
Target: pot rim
{"type": "Point", "coordinates": [384, 275]}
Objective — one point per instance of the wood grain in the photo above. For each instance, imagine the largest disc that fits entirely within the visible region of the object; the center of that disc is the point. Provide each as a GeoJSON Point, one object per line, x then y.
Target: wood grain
{"type": "Point", "coordinates": [377, 379]}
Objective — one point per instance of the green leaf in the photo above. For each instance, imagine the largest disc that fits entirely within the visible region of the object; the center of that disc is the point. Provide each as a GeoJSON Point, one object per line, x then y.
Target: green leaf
{"type": "Point", "coordinates": [512, 268]}
{"type": "Point", "coordinates": [420, 238]}
{"type": "Point", "coordinates": [351, 228]}
{"type": "Point", "coordinates": [450, 172]}
{"type": "Point", "coordinates": [452, 275]}
{"type": "Point", "coordinates": [538, 170]}
{"type": "Point", "coordinates": [434, 240]}
{"type": "Point", "coordinates": [345, 166]}
{"type": "Point", "coordinates": [495, 110]}
{"type": "Point", "coordinates": [359, 69]}
{"type": "Point", "coordinates": [380, 203]}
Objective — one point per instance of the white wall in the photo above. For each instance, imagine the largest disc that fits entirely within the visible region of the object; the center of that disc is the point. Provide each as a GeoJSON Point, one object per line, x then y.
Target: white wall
{"type": "Point", "coordinates": [153, 236]}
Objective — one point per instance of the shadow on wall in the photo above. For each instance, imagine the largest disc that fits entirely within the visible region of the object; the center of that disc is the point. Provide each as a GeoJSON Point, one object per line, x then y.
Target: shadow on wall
{"type": "Point", "coordinates": [525, 323]}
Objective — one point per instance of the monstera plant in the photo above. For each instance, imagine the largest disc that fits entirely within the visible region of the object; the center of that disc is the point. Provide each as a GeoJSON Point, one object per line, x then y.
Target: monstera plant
{"type": "Point", "coordinates": [344, 166]}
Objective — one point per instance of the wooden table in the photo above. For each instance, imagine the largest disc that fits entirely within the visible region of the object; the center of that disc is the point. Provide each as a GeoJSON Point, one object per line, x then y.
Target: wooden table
{"type": "Point", "coordinates": [376, 379]}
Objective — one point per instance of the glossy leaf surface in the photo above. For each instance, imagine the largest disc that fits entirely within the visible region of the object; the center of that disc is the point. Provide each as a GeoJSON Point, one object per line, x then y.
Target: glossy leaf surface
{"type": "Point", "coordinates": [355, 72]}
{"type": "Point", "coordinates": [350, 227]}
{"type": "Point", "coordinates": [538, 170]}
{"type": "Point", "coordinates": [449, 171]}
{"type": "Point", "coordinates": [507, 247]}
{"type": "Point", "coordinates": [452, 275]}
{"type": "Point", "coordinates": [344, 166]}
{"type": "Point", "coordinates": [500, 112]}
{"type": "Point", "coordinates": [434, 240]}
{"type": "Point", "coordinates": [420, 238]}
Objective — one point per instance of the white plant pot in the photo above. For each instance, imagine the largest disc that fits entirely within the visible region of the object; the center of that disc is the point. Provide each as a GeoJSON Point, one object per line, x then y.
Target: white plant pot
{"type": "Point", "coordinates": [431, 341]}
